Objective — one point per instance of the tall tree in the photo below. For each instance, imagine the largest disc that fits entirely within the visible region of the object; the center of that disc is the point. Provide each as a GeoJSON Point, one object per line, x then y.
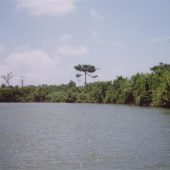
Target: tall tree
{"type": "Point", "coordinates": [7, 77]}
{"type": "Point", "coordinates": [22, 80]}
{"type": "Point", "coordinates": [87, 70]}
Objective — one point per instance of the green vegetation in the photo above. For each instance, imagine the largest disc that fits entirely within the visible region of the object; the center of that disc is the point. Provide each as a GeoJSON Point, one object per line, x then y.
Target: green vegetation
{"type": "Point", "coordinates": [151, 89]}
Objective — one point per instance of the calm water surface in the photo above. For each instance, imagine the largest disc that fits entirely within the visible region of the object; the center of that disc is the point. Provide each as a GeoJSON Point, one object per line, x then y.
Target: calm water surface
{"type": "Point", "coordinates": [83, 137]}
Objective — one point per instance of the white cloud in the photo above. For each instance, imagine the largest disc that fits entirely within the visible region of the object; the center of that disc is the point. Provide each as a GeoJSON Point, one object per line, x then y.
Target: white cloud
{"type": "Point", "coordinates": [47, 7]}
{"type": "Point", "coordinates": [32, 61]}
{"type": "Point", "coordinates": [70, 50]}
{"type": "Point", "coordinates": [160, 39]}
{"type": "Point", "coordinates": [95, 14]}
{"type": "Point", "coordinates": [4, 69]}
{"type": "Point", "coordinates": [65, 38]}
{"type": "Point", "coordinates": [36, 65]}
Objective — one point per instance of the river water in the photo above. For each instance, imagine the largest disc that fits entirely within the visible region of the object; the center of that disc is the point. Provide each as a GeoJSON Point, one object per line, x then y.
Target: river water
{"type": "Point", "coordinates": [83, 137]}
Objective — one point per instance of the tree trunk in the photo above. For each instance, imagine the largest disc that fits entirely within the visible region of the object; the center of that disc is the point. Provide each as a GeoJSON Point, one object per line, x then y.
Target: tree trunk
{"type": "Point", "coordinates": [85, 81]}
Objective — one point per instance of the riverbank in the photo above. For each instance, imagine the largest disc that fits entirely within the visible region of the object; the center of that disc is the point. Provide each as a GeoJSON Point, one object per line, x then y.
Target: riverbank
{"type": "Point", "coordinates": [150, 89]}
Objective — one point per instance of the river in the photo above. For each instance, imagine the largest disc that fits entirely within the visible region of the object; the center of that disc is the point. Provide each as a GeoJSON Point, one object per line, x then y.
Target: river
{"type": "Point", "coordinates": [51, 136]}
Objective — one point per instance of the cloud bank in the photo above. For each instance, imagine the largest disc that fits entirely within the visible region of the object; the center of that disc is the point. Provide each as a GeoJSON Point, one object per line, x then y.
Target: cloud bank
{"type": "Point", "coordinates": [35, 65]}
{"type": "Point", "coordinates": [39, 66]}
{"type": "Point", "coordinates": [47, 7]}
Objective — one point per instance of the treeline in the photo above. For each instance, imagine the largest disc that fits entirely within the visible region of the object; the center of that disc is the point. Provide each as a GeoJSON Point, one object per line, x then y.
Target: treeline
{"type": "Point", "coordinates": [151, 89]}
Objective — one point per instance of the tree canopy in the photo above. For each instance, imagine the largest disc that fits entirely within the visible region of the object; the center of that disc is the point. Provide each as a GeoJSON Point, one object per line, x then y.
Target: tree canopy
{"type": "Point", "coordinates": [161, 68]}
{"type": "Point", "coordinates": [86, 69]}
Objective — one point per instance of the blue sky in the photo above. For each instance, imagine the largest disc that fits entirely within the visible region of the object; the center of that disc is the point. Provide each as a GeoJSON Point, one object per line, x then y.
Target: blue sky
{"type": "Point", "coordinates": [43, 40]}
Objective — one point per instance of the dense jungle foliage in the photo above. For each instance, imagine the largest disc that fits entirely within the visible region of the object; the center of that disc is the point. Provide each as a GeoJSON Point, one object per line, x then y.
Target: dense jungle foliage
{"type": "Point", "coordinates": [151, 89]}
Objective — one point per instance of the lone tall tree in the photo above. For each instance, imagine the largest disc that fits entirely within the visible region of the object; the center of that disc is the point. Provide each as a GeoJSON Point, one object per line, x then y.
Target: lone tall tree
{"type": "Point", "coordinates": [86, 69]}
{"type": "Point", "coordinates": [22, 80]}
{"type": "Point", "coordinates": [7, 78]}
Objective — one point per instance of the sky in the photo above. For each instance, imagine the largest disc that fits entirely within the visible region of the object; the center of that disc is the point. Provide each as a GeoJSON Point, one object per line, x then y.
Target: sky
{"type": "Point", "coordinates": [42, 40]}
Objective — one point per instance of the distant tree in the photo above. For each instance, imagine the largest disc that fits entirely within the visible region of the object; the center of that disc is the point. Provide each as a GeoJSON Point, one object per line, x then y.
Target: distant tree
{"type": "Point", "coordinates": [3, 85]}
{"type": "Point", "coordinates": [160, 68]}
{"type": "Point", "coordinates": [71, 84]}
{"type": "Point", "coordinates": [7, 78]}
{"type": "Point", "coordinates": [22, 80]}
{"type": "Point", "coordinates": [87, 70]}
